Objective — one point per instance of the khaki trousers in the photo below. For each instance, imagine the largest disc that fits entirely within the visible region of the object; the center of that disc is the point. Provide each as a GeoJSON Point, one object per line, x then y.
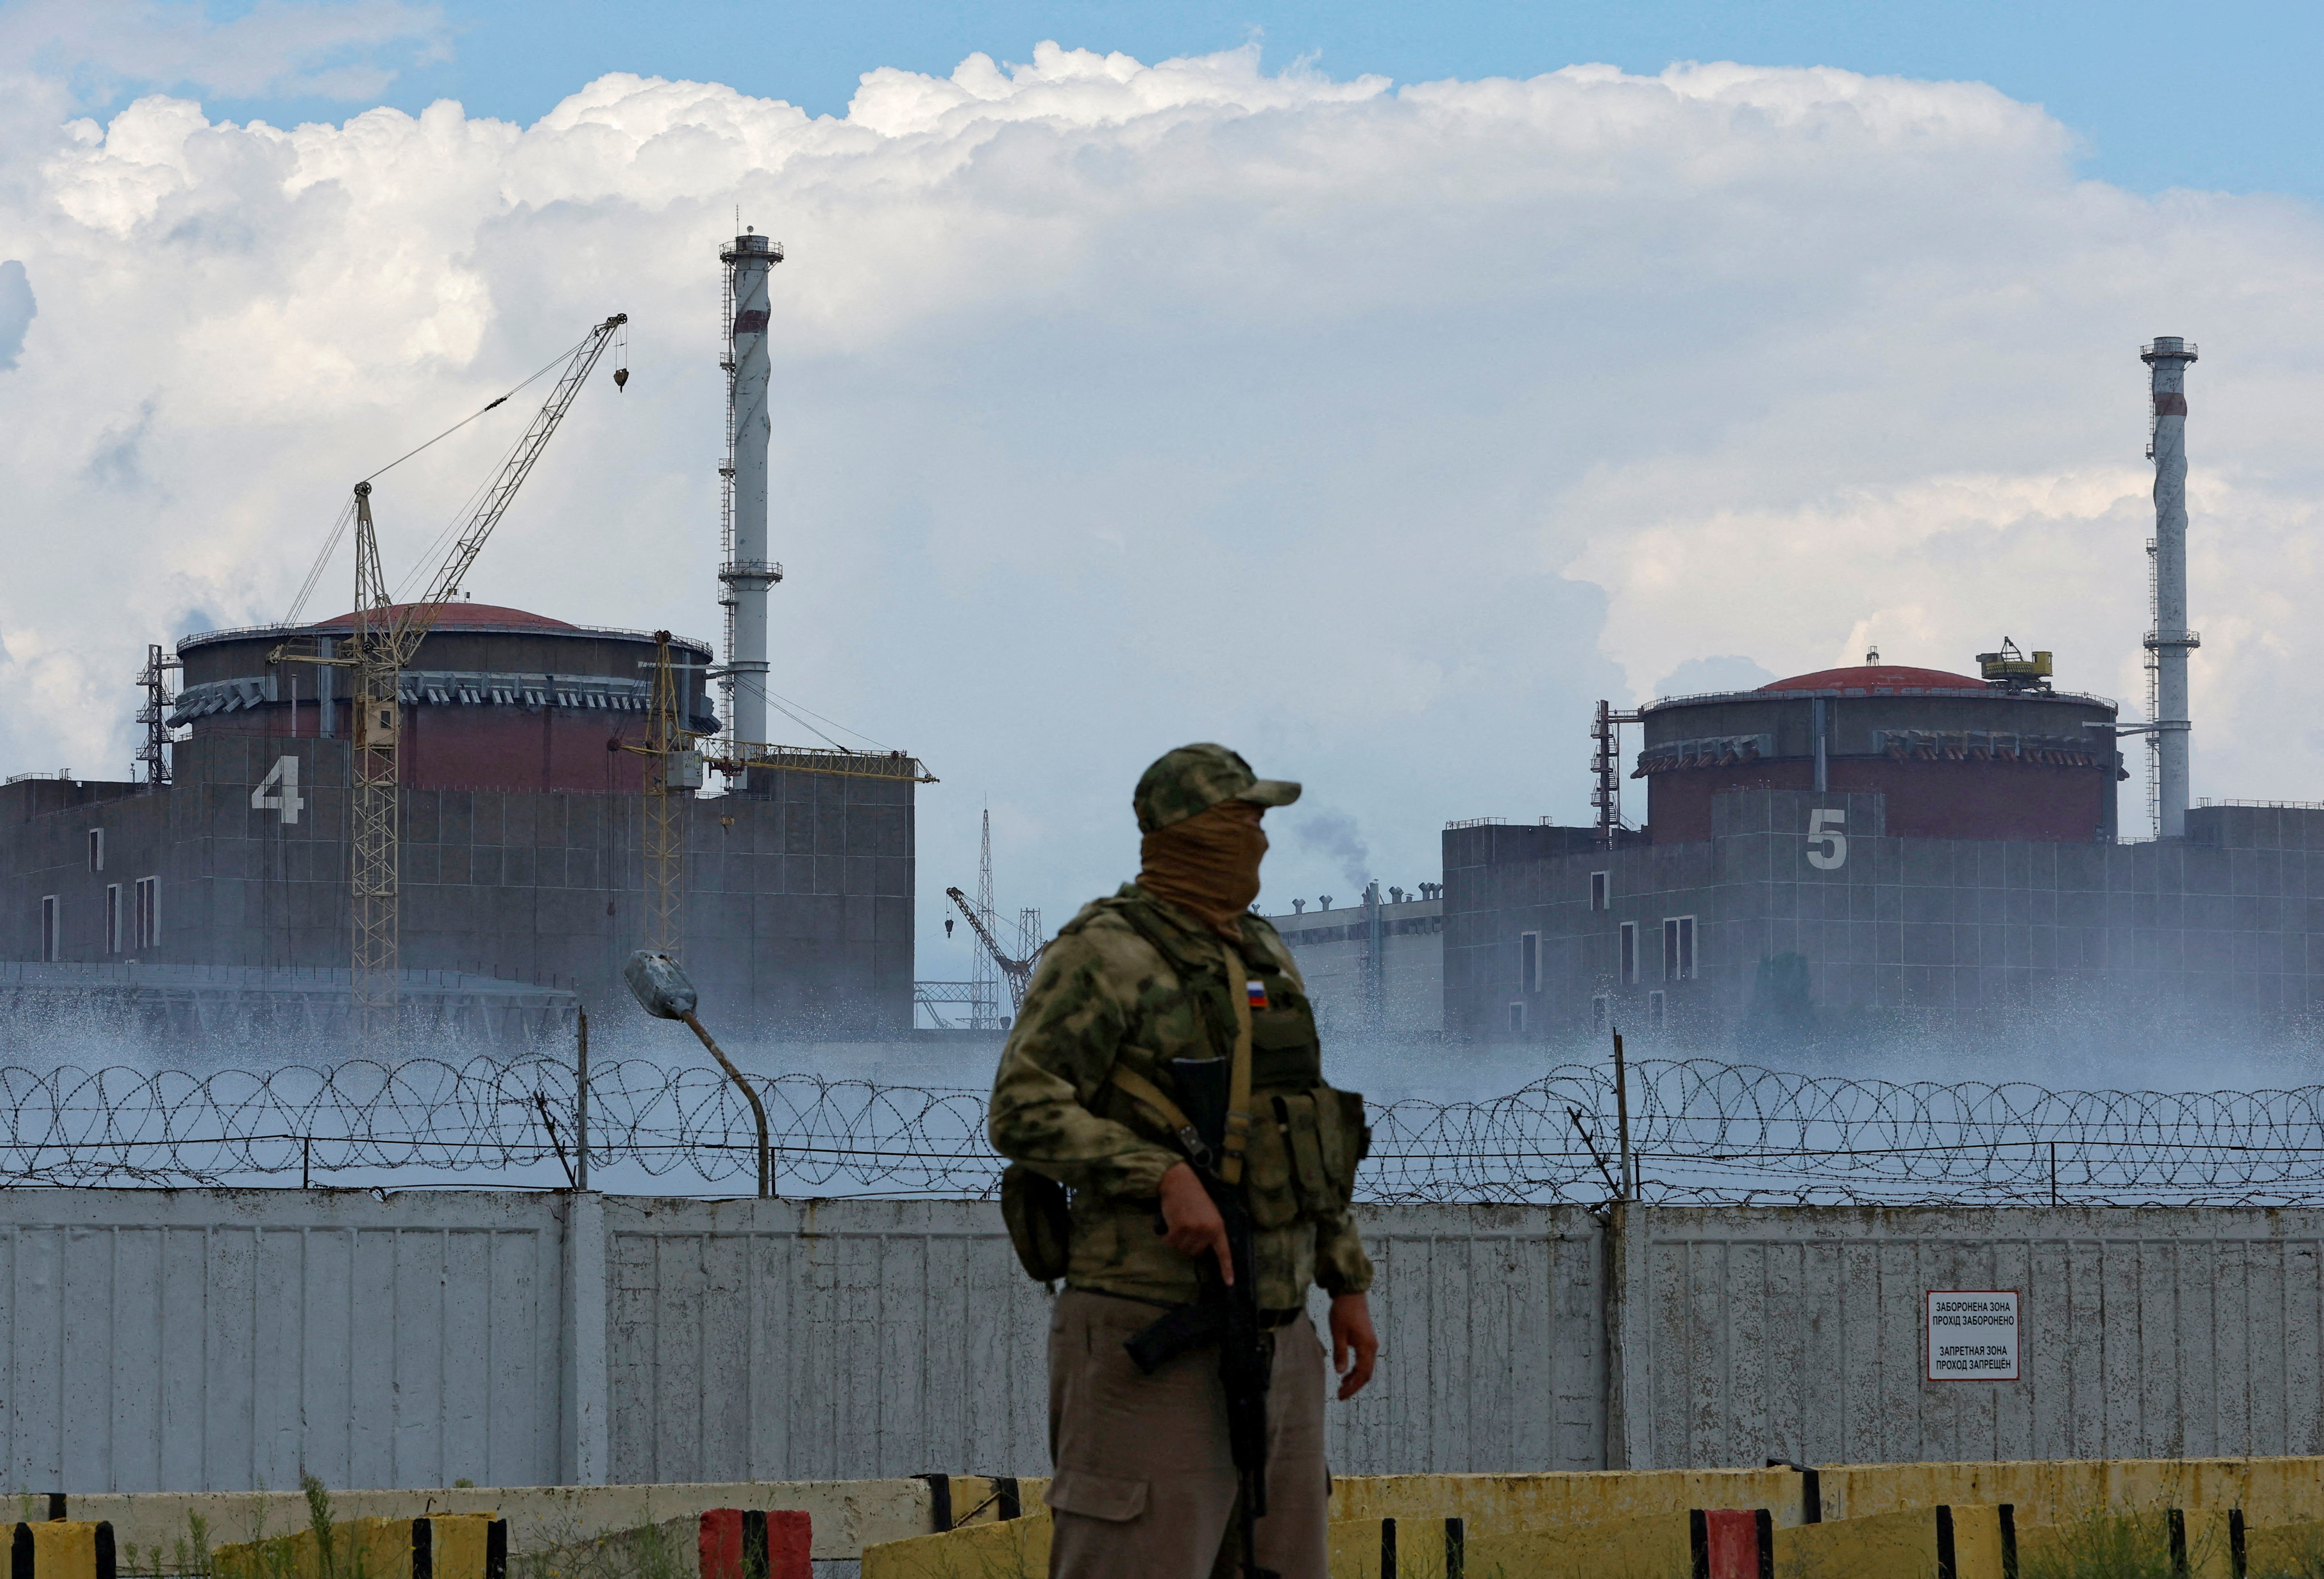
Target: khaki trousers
{"type": "Point", "coordinates": [1144, 1487]}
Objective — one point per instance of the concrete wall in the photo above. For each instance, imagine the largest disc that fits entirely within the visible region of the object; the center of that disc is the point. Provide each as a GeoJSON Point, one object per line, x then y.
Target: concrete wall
{"type": "Point", "coordinates": [1747, 1334]}
{"type": "Point", "coordinates": [1334, 948]}
{"type": "Point", "coordinates": [798, 908]}
{"type": "Point", "coordinates": [218, 1340]}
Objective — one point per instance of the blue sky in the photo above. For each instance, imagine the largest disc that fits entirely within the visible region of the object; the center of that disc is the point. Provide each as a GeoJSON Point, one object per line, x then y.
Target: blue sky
{"type": "Point", "coordinates": [2220, 96]}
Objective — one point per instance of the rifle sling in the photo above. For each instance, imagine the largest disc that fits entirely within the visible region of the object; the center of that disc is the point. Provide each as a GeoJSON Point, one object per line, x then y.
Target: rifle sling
{"type": "Point", "coordinates": [1238, 1138]}
{"type": "Point", "coordinates": [1139, 1087]}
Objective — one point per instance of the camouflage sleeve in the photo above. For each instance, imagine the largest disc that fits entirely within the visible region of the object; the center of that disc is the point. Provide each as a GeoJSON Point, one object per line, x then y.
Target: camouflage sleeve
{"type": "Point", "coordinates": [1056, 1061]}
{"type": "Point", "coordinates": [1342, 1267]}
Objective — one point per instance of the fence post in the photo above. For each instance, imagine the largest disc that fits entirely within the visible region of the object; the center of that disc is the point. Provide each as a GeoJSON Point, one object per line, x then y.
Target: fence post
{"type": "Point", "coordinates": [586, 1450]}
{"type": "Point", "coordinates": [1622, 1119]}
{"type": "Point", "coordinates": [581, 1105]}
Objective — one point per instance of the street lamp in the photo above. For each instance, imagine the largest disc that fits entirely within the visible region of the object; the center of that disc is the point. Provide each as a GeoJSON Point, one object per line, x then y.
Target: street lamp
{"type": "Point", "coordinates": [662, 989]}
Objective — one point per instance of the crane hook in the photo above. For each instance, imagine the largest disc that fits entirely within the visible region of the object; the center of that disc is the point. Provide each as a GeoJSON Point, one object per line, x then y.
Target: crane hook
{"type": "Point", "coordinates": [621, 377]}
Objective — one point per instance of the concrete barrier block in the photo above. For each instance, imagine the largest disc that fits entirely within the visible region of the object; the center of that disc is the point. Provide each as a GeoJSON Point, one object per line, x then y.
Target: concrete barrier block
{"type": "Point", "coordinates": [60, 1548]}
{"type": "Point", "coordinates": [737, 1543]}
{"type": "Point", "coordinates": [2061, 1490]}
{"type": "Point", "coordinates": [444, 1545]}
{"type": "Point", "coordinates": [847, 1515]}
{"type": "Point", "coordinates": [1502, 1503]}
{"type": "Point", "coordinates": [1014, 1548]}
{"type": "Point", "coordinates": [1946, 1541]}
{"type": "Point", "coordinates": [2208, 1543]}
{"type": "Point", "coordinates": [2282, 1551]}
{"type": "Point", "coordinates": [1706, 1543]}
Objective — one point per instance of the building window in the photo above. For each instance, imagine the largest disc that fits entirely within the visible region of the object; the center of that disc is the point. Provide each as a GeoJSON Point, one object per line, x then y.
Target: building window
{"type": "Point", "coordinates": [149, 912]}
{"type": "Point", "coordinates": [52, 943]}
{"type": "Point", "coordinates": [1678, 948]}
{"type": "Point", "coordinates": [96, 849]}
{"type": "Point", "coordinates": [1528, 962]}
{"type": "Point", "coordinates": [1600, 887]}
{"type": "Point", "coordinates": [1598, 1012]}
{"type": "Point", "coordinates": [1654, 1001]}
{"type": "Point", "coordinates": [1629, 973]}
{"type": "Point", "coordinates": [113, 917]}
{"type": "Point", "coordinates": [1517, 1019]}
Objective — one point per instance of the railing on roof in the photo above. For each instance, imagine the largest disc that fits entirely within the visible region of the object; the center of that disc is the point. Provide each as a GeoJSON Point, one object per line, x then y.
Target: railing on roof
{"type": "Point", "coordinates": [2076, 699]}
{"type": "Point", "coordinates": [732, 755]}
{"type": "Point", "coordinates": [1477, 821]}
{"type": "Point", "coordinates": [65, 775]}
{"type": "Point", "coordinates": [2250, 804]}
{"type": "Point", "coordinates": [237, 633]}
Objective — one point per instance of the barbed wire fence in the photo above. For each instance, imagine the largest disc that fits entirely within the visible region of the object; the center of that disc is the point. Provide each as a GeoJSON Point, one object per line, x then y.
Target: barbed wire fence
{"type": "Point", "coordinates": [1701, 1132]}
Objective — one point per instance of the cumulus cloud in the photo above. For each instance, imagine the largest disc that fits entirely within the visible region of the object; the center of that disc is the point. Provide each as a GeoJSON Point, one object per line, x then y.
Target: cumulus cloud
{"type": "Point", "coordinates": [1376, 430]}
{"type": "Point", "coordinates": [17, 311]}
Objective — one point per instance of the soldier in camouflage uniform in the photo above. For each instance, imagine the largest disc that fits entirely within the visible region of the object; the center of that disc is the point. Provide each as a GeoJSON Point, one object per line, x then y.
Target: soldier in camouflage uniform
{"type": "Point", "coordinates": [1144, 1483]}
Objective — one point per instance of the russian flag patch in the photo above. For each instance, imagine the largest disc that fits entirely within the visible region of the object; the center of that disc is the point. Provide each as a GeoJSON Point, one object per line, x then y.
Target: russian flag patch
{"type": "Point", "coordinates": [1258, 993]}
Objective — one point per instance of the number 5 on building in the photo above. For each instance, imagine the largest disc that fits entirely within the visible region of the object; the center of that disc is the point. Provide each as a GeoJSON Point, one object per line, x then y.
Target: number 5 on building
{"type": "Point", "coordinates": [1823, 829]}
{"type": "Point", "coordinates": [284, 782]}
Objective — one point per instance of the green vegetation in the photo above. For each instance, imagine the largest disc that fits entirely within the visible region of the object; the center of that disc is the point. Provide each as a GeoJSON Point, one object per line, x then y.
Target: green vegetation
{"type": "Point", "coordinates": [2112, 1545]}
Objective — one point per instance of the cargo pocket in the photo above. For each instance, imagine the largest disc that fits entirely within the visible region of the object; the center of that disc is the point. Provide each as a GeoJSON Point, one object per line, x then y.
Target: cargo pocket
{"type": "Point", "coordinates": [1297, 1114]}
{"type": "Point", "coordinates": [1106, 1497]}
{"type": "Point", "coordinates": [1344, 1138]}
{"type": "Point", "coordinates": [1274, 1203]}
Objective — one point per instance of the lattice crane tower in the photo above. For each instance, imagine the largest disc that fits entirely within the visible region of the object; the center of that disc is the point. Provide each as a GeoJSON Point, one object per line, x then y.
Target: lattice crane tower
{"type": "Point", "coordinates": [387, 636]}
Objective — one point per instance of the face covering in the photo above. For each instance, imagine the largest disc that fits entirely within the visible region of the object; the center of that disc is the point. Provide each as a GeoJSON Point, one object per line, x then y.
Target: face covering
{"type": "Point", "coordinates": [1207, 863]}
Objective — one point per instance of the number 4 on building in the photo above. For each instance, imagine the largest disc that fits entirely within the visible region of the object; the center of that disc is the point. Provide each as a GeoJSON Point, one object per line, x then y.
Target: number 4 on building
{"type": "Point", "coordinates": [284, 783]}
{"type": "Point", "coordinates": [1823, 829]}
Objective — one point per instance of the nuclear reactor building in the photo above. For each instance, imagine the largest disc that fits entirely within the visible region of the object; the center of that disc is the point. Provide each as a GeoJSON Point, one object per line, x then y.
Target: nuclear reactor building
{"type": "Point", "coordinates": [1914, 844]}
{"type": "Point", "coordinates": [508, 810]}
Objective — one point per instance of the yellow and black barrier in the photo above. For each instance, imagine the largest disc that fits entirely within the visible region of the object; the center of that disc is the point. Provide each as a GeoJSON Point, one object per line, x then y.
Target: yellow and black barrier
{"type": "Point", "coordinates": [2206, 1543]}
{"type": "Point", "coordinates": [442, 1546]}
{"type": "Point", "coordinates": [60, 1548]}
{"type": "Point", "coordinates": [1943, 1542]}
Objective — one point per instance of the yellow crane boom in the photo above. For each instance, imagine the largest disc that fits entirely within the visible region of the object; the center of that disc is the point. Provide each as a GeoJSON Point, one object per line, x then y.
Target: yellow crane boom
{"type": "Point", "coordinates": [387, 636]}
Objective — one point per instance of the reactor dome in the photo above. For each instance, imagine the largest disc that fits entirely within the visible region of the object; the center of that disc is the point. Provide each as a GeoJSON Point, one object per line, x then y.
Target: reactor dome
{"type": "Point", "coordinates": [1956, 756]}
{"type": "Point", "coordinates": [496, 699]}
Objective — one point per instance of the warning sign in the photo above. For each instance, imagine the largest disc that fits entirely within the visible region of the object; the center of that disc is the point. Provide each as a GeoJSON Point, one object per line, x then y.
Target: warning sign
{"type": "Point", "coordinates": [1972, 1334]}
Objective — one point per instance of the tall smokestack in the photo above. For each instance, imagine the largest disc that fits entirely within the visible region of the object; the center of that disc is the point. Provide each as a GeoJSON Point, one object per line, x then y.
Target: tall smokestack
{"type": "Point", "coordinates": [2169, 639]}
{"type": "Point", "coordinates": [747, 574]}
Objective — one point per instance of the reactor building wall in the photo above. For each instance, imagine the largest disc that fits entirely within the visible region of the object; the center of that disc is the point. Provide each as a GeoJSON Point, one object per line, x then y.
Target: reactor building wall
{"type": "Point", "coordinates": [1882, 844]}
{"type": "Point", "coordinates": [520, 812]}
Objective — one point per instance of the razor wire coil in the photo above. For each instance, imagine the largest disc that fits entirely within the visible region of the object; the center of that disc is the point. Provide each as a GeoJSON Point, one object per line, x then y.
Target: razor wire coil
{"type": "Point", "coordinates": [1702, 1132]}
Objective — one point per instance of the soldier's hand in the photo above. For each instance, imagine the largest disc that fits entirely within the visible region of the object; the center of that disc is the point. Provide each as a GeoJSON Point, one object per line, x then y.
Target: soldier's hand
{"type": "Point", "coordinates": [1351, 1329]}
{"type": "Point", "coordinates": [1191, 1220]}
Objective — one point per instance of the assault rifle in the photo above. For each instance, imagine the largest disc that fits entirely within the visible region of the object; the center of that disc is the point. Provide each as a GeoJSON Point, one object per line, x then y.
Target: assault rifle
{"type": "Point", "coordinates": [1225, 1315]}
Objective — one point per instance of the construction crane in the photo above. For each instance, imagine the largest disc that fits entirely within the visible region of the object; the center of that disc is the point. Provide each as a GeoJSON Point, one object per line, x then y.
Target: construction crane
{"type": "Point", "coordinates": [387, 637]}
{"type": "Point", "coordinates": [1019, 972]}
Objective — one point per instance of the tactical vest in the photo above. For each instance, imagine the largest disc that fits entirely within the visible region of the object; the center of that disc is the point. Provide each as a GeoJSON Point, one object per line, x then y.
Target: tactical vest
{"type": "Point", "coordinates": [1305, 1137]}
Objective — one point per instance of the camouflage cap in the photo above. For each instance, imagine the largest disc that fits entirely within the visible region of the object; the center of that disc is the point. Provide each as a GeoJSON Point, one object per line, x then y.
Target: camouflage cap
{"type": "Point", "coordinates": [1193, 778]}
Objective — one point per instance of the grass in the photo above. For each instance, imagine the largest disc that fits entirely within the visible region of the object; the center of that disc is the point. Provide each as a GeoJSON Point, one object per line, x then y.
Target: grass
{"type": "Point", "coordinates": [2108, 1544]}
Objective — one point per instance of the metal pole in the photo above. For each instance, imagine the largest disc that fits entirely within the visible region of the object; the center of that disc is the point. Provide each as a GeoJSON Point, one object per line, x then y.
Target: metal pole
{"type": "Point", "coordinates": [1622, 1117]}
{"type": "Point", "coordinates": [758, 1108]}
{"type": "Point", "coordinates": [581, 1105]}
